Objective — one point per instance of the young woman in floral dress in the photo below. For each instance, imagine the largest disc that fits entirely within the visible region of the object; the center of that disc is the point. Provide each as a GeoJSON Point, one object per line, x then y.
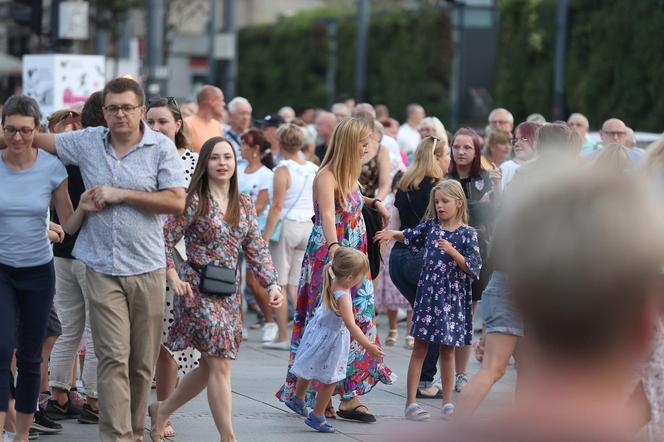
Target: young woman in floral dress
{"type": "Point", "coordinates": [217, 223]}
{"type": "Point", "coordinates": [338, 222]}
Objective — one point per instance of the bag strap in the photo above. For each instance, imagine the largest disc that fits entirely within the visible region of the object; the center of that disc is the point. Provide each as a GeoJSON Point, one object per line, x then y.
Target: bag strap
{"type": "Point", "coordinates": [410, 205]}
{"type": "Point", "coordinates": [306, 180]}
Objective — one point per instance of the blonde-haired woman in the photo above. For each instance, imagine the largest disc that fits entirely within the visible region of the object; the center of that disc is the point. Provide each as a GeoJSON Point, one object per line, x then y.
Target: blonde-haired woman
{"type": "Point", "coordinates": [432, 127]}
{"type": "Point", "coordinates": [338, 222]}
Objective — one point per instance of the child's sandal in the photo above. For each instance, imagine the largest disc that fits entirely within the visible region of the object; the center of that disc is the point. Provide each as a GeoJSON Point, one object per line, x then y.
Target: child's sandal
{"type": "Point", "coordinates": [392, 337]}
{"type": "Point", "coordinates": [319, 423]}
{"type": "Point", "coordinates": [297, 405]}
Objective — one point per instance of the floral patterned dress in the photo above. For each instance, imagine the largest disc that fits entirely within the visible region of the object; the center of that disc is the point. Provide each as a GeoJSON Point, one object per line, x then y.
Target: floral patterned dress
{"type": "Point", "coordinates": [211, 324]}
{"type": "Point", "coordinates": [443, 307]}
{"type": "Point", "coordinates": [363, 371]}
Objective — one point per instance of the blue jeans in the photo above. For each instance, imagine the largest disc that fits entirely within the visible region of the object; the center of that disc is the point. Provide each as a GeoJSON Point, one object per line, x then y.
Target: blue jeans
{"type": "Point", "coordinates": [405, 270]}
{"type": "Point", "coordinates": [26, 296]}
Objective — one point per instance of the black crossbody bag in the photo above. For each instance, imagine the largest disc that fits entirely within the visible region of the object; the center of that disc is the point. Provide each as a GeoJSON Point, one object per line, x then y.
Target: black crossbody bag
{"type": "Point", "coordinates": [215, 280]}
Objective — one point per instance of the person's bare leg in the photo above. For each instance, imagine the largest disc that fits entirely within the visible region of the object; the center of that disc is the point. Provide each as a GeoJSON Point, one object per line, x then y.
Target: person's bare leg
{"type": "Point", "coordinates": [47, 347]}
{"type": "Point", "coordinates": [166, 374]}
{"type": "Point", "coordinates": [446, 358]}
{"type": "Point", "coordinates": [5, 424]}
{"type": "Point", "coordinates": [415, 370]}
{"type": "Point", "coordinates": [188, 388]}
{"type": "Point", "coordinates": [220, 396]}
{"type": "Point", "coordinates": [301, 387]}
{"type": "Point", "coordinates": [323, 398]}
{"type": "Point", "coordinates": [282, 317]}
{"type": "Point", "coordinates": [462, 358]}
{"type": "Point", "coordinates": [498, 349]}
{"type": "Point", "coordinates": [23, 422]}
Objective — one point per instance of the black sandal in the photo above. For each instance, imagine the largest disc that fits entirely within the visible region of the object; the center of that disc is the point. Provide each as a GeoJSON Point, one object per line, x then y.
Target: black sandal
{"type": "Point", "coordinates": [355, 415]}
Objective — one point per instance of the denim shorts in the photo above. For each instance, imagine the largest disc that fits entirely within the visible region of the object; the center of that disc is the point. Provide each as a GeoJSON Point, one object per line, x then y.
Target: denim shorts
{"type": "Point", "coordinates": [500, 315]}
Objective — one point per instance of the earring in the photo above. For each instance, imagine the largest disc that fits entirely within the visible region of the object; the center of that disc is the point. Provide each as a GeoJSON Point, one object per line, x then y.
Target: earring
{"type": "Point", "coordinates": [255, 155]}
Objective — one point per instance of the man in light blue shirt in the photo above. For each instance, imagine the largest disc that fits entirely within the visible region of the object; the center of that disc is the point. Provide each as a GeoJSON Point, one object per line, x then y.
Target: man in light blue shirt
{"type": "Point", "coordinates": [136, 176]}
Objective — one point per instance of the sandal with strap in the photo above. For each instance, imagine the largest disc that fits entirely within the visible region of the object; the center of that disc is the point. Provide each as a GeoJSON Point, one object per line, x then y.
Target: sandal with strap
{"type": "Point", "coordinates": [169, 431]}
{"type": "Point", "coordinates": [414, 412]}
{"type": "Point", "coordinates": [153, 409]}
{"type": "Point", "coordinates": [319, 423]}
{"type": "Point", "coordinates": [355, 415]}
{"type": "Point", "coordinates": [392, 337]}
{"type": "Point", "coordinates": [297, 405]}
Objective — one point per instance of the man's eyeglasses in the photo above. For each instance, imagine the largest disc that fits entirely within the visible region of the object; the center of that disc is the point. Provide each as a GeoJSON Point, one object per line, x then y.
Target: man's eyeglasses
{"type": "Point", "coordinates": [25, 132]}
{"type": "Point", "coordinates": [125, 108]}
{"type": "Point", "coordinates": [615, 134]}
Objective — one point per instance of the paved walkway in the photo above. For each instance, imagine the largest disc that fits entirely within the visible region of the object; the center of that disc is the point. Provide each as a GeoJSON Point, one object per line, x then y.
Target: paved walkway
{"type": "Point", "coordinates": [259, 417]}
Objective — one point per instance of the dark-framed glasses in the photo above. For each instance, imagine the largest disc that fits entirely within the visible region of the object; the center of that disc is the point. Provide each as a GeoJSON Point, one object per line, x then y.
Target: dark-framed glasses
{"type": "Point", "coordinates": [25, 131]}
{"type": "Point", "coordinates": [125, 108]}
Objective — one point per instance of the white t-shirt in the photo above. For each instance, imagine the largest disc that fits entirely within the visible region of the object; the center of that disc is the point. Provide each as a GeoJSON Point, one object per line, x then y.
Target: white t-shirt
{"type": "Point", "coordinates": [395, 156]}
{"type": "Point", "coordinates": [508, 169]}
{"type": "Point", "coordinates": [408, 138]}
{"type": "Point", "coordinates": [252, 183]}
{"type": "Point", "coordinates": [299, 199]}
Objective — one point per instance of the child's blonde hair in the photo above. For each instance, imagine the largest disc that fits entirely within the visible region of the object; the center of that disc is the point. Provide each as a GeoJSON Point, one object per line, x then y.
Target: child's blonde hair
{"type": "Point", "coordinates": [346, 263]}
{"type": "Point", "coordinates": [452, 189]}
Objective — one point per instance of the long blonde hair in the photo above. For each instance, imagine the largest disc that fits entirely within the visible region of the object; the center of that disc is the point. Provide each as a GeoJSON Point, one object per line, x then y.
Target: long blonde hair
{"type": "Point", "coordinates": [614, 157]}
{"type": "Point", "coordinates": [346, 263]}
{"type": "Point", "coordinates": [424, 164]}
{"type": "Point", "coordinates": [343, 158]}
{"type": "Point", "coordinates": [451, 189]}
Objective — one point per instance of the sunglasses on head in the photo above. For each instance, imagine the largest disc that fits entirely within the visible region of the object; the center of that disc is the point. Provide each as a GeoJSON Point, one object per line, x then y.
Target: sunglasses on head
{"type": "Point", "coordinates": [169, 100]}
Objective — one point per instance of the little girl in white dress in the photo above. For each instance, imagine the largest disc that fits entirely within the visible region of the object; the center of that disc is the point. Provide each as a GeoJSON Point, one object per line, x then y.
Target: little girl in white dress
{"type": "Point", "coordinates": [323, 351]}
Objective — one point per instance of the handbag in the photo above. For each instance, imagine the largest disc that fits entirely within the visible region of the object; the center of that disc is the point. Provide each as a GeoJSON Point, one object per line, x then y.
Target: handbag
{"type": "Point", "coordinates": [216, 280]}
{"type": "Point", "coordinates": [276, 233]}
{"type": "Point", "coordinates": [373, 222]}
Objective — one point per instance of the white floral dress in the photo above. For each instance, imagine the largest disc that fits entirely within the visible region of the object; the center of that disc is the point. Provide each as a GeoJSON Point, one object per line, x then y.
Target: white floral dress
{"type": "Point", "coordinates": [186, 359]}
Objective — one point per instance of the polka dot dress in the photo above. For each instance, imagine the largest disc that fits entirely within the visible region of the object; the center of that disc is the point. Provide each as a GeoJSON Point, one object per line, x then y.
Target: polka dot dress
{"type": "Point", "coordinates": [186, 359]}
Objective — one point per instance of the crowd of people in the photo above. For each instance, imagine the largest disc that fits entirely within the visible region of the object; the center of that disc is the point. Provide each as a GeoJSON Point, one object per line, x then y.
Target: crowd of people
{"type": "Point", "coordinates": [134, 232]}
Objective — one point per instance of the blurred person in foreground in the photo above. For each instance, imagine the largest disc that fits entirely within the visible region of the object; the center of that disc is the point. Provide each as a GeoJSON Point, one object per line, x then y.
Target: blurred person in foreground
{"type": "Point", "coordinates": [590, 322]}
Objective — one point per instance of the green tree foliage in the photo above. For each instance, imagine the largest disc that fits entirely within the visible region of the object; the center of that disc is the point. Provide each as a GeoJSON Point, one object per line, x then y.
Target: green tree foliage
{"type": "Point", "coordinates": [524, 57]}
{"type": "Point", "coordinates": [614, 64]}
{"type": "Point", "coordinates": [409, 59]}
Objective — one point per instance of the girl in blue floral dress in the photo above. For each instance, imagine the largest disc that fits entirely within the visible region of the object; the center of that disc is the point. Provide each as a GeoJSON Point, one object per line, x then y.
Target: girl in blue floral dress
{"type": "Point", "coordinates": [442, 314]}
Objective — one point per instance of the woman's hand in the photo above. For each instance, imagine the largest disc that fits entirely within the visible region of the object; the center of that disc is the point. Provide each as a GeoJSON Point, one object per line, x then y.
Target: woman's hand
{"type": "Point", "coordinates": [276, 298]}
{"type": "Point", "coordinates": [375, 351]}
{"type": "Point", "coordinates": [383, 236]}
{"type": "Point", "coordinates": [87, 201]}
{"type": "Point", "coordinates": [331, 250]}
{"type": "Point", "coordinates": [380, 208]}
{"type": "Point", "coordinates": [55, 232]}
{"type": "Point", "coordinates": [496, 175]}
{"type": "Point", "coordinates": [180, 287]}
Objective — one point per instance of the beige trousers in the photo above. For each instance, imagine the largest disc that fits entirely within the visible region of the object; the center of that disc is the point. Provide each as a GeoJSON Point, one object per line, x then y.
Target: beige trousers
{"type": "Point", "coordinates": [126, 315]}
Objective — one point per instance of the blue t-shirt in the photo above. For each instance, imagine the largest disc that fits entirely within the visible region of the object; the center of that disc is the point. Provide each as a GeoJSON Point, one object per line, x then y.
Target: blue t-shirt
{"type": "Point", "coordinates": [24, 201]}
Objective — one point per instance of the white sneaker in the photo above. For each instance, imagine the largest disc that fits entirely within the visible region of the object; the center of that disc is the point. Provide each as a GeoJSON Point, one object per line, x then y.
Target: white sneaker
{"type": "Point", "coordinates": [284, 345]}
{"type": "Point", "coordinates": [448, 411]}
{"type": "Point", "coordinates": [270, 330]}
{"type": "Point", "coordinates": [245, 333]}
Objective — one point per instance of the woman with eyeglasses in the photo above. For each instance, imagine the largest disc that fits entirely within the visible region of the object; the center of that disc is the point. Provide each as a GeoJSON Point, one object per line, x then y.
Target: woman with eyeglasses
{"type": "Point", "coordinates": [163, 115]}
{"type": "Point", "coordinates": [523, 150]}
{"type": "Point", "coordinates": [30, 179]}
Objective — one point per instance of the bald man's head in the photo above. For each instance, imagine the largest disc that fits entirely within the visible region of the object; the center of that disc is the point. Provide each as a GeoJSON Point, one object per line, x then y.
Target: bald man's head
{"type": "Point", "coordinates": [613, 131]}
{"type": "Point", "coordinates": [211, 101]}
{"type": "Point", "coordinates": [579, 123]}
{"type": "Point", "coordinates": [325, 124]}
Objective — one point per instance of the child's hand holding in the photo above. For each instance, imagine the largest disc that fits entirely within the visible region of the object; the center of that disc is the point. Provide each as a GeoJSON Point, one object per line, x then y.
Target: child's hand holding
{"type": "Point", "coordinates": [383, 236]}
{"type": "Point", "coordinates": [445, 246]}
{"type": "Point", "coordinates": [375, 351]}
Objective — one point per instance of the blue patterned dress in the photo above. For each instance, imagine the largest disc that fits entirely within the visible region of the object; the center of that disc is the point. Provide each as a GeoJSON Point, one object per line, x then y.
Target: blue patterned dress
{"type": "Point", "coordinates": [443, 307]}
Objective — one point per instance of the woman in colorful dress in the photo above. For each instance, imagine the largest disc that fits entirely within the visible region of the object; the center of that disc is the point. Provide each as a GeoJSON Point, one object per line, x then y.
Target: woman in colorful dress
{"type": "Point", "coordinates": [217, 223]}
{"type": "Point", "coordinates": [338, 222]}
{"type": "Point", "coordinates": [164, 116]}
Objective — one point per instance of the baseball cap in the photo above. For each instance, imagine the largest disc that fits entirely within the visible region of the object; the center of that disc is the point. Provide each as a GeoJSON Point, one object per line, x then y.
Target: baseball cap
{"type": "Point", "coordinates": [273, 120]}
